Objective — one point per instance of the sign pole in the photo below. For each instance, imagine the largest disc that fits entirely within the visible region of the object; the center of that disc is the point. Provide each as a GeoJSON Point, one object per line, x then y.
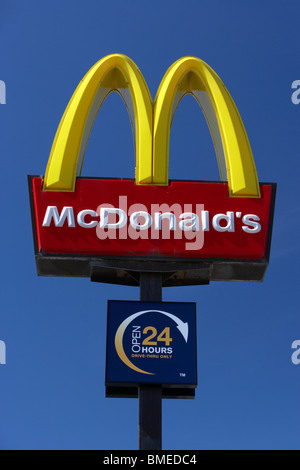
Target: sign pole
{"type": "Point", "coordinates": [150, 396]}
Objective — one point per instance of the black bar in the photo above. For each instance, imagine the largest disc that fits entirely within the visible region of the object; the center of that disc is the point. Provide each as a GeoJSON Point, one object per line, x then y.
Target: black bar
{"type": "Point", "coordinates": [150, 396]}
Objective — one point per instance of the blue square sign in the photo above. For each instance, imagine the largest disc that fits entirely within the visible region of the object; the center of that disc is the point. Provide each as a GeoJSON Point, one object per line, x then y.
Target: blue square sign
{"type": "Point", "coordinates": [151, 343]}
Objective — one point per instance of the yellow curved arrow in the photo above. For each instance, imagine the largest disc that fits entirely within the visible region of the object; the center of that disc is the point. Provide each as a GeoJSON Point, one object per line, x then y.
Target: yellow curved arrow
{"type": "Point", "coordinates": [119, 344]}
{"type": "Point", "coordinates": [182, 326]}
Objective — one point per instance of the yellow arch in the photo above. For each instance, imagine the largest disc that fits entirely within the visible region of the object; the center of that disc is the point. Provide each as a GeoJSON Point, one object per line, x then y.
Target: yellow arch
{"type": "Point", "coordinates": [192, 75]}
{"type": "Point", "coordinates": [115, 72]}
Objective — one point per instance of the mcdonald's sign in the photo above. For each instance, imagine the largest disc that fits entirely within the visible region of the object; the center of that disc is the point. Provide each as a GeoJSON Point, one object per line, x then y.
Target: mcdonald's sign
{"type": "Point", "coordinates": [110, 229]}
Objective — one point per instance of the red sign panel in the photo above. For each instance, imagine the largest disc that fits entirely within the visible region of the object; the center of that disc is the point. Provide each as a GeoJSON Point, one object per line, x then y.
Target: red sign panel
{"type": "Point", "coordinates": [185, 220]}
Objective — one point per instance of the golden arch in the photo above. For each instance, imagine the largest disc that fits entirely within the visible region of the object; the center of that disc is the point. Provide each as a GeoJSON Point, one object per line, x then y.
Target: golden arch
{"type": "Point", "coordinates": [115, 72]}
{"type": "Point", "coordinates": [190, 75]}
{"type": "Point", "coordinates": [152, 124]}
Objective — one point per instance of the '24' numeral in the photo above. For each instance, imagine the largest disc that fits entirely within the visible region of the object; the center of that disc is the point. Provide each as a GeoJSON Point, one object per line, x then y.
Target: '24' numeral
{"type": "Point", "coordinates": [163, 336]}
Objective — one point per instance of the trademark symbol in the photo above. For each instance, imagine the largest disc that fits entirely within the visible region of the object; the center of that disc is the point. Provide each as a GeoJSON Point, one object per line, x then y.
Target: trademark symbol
{"type": "Point", "coordinates": [182, 374]}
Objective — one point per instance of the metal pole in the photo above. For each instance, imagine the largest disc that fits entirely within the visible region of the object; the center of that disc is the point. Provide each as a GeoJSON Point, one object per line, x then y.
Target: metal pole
{"type": "Point", "coordinates": [150, 396]}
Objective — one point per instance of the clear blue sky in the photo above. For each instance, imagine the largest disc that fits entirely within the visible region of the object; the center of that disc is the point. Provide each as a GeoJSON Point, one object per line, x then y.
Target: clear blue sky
{"type": "Point", "coordinates": [52, 393]}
